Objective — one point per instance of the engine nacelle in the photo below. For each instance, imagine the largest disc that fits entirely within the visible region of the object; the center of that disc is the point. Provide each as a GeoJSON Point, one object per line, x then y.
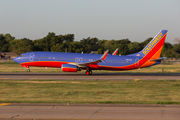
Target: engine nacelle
{"type": "Point", "coordinates": [69, 68]}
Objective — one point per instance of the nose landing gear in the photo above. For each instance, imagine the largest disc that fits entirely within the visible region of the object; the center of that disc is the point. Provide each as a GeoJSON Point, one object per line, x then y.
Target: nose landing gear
{"type": "Point", "coordinates": [28, 70]}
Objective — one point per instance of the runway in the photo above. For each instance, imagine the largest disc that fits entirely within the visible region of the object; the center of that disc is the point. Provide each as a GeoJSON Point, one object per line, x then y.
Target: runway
{"type": "Point", "coordinates": [95, 76]}
{"type": "Point", "coordinates": [121, 112]}
{"type": "Point", "coordinates": [81, 112]}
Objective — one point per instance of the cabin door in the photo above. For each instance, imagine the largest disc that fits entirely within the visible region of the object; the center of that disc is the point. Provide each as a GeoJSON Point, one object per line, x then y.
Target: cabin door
{"type": "Point", "coordinates": [31, 57]}
{"type": "Point", "coordinates": [137, 62]}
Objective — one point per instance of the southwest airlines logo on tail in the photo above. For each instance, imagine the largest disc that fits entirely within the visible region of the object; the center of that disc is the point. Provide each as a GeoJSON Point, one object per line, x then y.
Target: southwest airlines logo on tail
{"type": "Point", "coordinates": [158, 40]}
{"type": "Point", "coordinates": [151, 45]}
{"type": "Point", "coordinates": [68, 62]}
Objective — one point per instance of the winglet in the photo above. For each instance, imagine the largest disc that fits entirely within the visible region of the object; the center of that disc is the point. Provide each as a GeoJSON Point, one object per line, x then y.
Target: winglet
{"type": "Point", "coordinates": [104, 55]}
{"type": "Point", "coordinates": [115, 52]}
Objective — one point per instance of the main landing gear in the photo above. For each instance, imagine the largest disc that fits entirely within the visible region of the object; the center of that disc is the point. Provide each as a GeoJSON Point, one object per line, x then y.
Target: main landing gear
{"type": "Point", "coordinates": [89, 72]}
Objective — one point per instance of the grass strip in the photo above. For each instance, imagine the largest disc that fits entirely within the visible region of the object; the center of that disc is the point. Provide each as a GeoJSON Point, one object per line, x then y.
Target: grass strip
{"type": "Point", "coordinates": [96, 92]}
{"type": "Point", "coordinates": [14, 67]}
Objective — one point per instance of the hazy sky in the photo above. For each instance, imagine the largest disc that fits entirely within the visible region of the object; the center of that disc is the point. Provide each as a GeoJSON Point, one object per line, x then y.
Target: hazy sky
{"type": "Point", "coordinates": [104, 19]}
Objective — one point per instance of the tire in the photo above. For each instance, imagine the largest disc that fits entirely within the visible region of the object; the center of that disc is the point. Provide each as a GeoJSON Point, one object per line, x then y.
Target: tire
{"type": "Point", "coordinates": [90, 72]}
{"type": "Point", "coordinates": [28, 70]}
{"type": "Point", "coordinates": [87, 72]}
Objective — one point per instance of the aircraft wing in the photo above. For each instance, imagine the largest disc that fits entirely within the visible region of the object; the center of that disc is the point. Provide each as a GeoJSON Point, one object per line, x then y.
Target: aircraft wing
{"type": "Point", "coordinates": [103, 57]}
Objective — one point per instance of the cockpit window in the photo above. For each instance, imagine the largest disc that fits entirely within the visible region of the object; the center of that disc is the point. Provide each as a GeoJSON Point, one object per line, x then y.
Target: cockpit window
{"type": "Point", "coordinates": [22, 55]}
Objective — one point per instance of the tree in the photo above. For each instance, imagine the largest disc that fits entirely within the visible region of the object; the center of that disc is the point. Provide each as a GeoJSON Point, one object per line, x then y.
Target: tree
{"type": "Point", "coordinates": [123, 49]}
{"type": "Point", "coordinates": [38, 45]}
{"type": "Point", "coordinates": [21, 46]}
{"type": "Point", "coordinates": [134, 47]}
{"type": "Point", "coordinates": [176, 47]}
{"type": "Point", "coordinates": [78, 47]}
{"type": "Point", "coordinates": [9, 38]}
{"type": "Point", "coordinates": [57, 48]}
{"type": "Point", "coordinates": [2, 41]}
{"type": "Point", "coordinates": [144, 43]}
{"type": "Point", "coordinates": [167, 49]}
{"type": "Point", "coordinates": [108, 44]}
{"type": "Point", "coordinates": [100, 51]}
{"type": "Point", "coordinates": [123, 41]}
{"type": "Point", "coordinates": [69, 38]}
{"type": "Point", "coordinates": [60, 43]}
{"type": "Point", "coordinates": [177, 40]}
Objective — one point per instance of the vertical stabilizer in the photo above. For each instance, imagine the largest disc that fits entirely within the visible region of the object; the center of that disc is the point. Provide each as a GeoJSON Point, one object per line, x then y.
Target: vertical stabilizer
{"type": "Point", "coordinates": [154, 48]}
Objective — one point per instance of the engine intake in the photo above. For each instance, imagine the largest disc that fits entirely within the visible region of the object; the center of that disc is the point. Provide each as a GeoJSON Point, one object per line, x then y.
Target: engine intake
{"type": "Point", "coordinates": [69, 68]}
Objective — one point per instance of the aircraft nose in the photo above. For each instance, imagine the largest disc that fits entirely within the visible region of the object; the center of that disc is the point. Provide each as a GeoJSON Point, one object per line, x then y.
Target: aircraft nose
{"type": "Point", "coordinates": [16, 59]}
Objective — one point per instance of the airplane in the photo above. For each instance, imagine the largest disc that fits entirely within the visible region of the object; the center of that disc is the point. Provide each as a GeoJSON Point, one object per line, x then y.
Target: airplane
{"type": "Point", "coordinates": [73, 62]}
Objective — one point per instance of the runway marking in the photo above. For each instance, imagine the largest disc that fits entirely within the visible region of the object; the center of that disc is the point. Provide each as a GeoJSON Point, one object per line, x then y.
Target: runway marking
{"type": "Point", "coordinates": [136, 79]}
{"type": "Point", "coordinates": [3, 104]}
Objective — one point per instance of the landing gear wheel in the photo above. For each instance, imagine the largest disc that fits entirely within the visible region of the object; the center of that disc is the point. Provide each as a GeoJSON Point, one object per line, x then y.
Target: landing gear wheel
{"type": "Point", "coordinates": [28, 70]}
{"type": "Point", "coordinates": [89, 72]}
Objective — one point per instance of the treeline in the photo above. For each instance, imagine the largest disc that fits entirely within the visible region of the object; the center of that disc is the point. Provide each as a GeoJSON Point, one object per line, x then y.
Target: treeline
{"type": "Point", "coordinates": [62, 43]}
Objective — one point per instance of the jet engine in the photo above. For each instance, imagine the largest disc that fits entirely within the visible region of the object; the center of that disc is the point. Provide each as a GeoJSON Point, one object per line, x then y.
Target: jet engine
{"type": "Point", "coordinates": [69, 68]}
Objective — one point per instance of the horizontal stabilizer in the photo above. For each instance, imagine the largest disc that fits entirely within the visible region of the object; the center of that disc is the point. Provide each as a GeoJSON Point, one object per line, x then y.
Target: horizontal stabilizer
{"type": "Point", "coordinates": [162, 58]}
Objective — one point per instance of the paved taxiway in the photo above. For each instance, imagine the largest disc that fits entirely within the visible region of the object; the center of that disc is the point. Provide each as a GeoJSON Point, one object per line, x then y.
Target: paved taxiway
{"type": "Point", "coordinates": [122, 112]}
{"type": "Point", "coordinates": [95, 76]}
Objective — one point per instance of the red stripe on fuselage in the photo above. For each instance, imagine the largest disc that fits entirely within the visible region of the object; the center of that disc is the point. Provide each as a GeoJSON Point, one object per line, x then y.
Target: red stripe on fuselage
{"type": "Point", "coordinates": [44, 63]}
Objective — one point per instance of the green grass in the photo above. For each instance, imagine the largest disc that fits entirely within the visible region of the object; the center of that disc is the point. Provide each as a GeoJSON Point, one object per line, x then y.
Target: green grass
{"type": "Point", "coordinates": [104, 92]}
{"type": "Point", "coordinates": [14, 67]}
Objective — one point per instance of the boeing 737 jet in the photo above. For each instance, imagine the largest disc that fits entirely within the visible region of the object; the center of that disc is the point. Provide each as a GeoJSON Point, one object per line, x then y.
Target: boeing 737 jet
{"type": "Point", "coordinates": [73, 62]}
